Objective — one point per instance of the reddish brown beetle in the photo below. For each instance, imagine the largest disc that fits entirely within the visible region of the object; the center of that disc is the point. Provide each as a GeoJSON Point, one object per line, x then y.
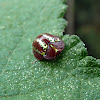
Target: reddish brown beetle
{"type": "Point", "coordinates": [47, 46]}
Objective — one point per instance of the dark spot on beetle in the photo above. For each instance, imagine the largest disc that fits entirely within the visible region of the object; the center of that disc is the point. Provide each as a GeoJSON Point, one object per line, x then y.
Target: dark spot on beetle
{"type": "Point", "coordinates": [52, 50]}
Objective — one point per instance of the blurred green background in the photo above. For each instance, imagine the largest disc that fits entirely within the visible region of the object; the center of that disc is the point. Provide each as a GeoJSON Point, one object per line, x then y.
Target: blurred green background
{"type": "Point", "coordinates": [84, 20]}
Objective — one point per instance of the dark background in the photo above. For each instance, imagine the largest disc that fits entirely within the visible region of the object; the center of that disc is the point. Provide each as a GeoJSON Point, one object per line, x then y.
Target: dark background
{"type": "Point", "coordinates": [84, 20]}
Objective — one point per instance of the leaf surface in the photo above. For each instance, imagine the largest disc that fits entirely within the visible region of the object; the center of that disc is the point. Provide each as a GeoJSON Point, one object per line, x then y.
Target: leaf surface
{"type": "Point", "coordinates": [72, 76]}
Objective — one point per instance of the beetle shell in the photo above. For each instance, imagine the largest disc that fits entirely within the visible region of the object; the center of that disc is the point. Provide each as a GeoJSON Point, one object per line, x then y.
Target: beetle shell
{"type": "Point", "coordinates": [47, 46]}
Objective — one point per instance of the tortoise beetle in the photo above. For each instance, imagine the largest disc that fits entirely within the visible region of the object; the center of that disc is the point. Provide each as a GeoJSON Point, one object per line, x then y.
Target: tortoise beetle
{"type": "Point", "coordinates": [47, 46]}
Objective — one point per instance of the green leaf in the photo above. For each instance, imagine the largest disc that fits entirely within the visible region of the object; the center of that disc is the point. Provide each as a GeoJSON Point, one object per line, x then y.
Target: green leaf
{"type": "Point", "coordinates": [72, 76]}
